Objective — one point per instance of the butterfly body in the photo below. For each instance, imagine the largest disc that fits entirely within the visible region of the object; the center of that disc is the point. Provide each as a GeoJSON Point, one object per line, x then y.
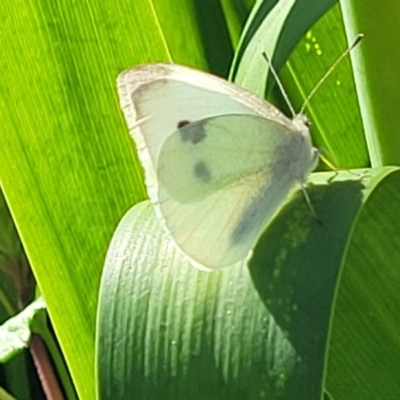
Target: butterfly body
{"type": "Point", "coordinates": [218, 161]}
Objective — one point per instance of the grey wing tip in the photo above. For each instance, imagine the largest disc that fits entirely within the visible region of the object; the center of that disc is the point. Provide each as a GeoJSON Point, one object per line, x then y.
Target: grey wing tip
{"type": "Point", "coordinates": [130, 80]}
{"type": "Point", "coordinates": [143, 73]}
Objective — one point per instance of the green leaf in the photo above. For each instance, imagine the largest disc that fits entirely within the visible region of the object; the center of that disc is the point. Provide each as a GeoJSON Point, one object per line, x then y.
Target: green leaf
{"type": "Point", "coordinates": [365, 323]}
{"type": "Point", "coordinates": [5, 396]}
{"type": "Point", "coordinates": [169, 331]}
{"type": "Point", "coordinates": [377, 64]}
{"type": "Point", "coordinates": [15, 333]}
{"type": "Point", "coordinates": [275, 30]}
{"type": "Point", "coordinates": [181, 333]}
{"type": "Point", "coordinates": [69, 172]}
{"type": "Point", "coordinates": [67, 164]}
{"type": "Point", "coordinates": [236, 13]}
{"type": "Point", "coordinates": [336, 123]}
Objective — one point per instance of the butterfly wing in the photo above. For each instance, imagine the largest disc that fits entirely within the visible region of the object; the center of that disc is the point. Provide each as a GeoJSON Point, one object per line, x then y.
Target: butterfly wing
{"type": "Point", "coordinates": [220, 180]}
{"type": "Point", "coordinates": [155, 98]}
{"type": "Point", "coordinates": [223, 190]}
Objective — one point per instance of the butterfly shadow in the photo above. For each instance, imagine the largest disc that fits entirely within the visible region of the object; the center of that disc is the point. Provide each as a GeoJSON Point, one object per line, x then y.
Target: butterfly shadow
{"type": "Point", "coordinates": [296, 269]}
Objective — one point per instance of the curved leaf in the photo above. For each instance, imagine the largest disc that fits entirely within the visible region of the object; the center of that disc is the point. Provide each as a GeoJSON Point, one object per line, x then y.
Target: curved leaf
{"type": "Point", "coordinates": [66, 163]}
{"type": "Point", "coordinates": [274, 27]}
{"type": "Point", "coordinates": [169, 331]}
{"type": "Point", "coordinates": [68, 170]}
{"type": "Point", "coordinates": [15, 333]}
{"type": "Point", "coordinates": [336, 123]}
{"type": "Point", "coordinates": [365, 322]}
{"type": "Point", "coordinates": [377, 65]}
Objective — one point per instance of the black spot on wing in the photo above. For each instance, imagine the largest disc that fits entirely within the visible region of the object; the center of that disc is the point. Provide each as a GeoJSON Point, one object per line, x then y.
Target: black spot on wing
{"type": "Point", "coordinates": [193, 133]}
{"type": "Point", "coordinates": [201, 171]}
{"type": "Point", "coordinates": [183, 123]}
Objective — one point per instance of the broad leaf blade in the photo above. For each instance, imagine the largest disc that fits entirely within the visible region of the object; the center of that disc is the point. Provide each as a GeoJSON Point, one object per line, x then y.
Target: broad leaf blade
{"type": "Point", "coordinates": [364, 349]}
{"type": "Point", "coordinates": [165, 327]}
{"type": "Point", "coordinates": [336, 122]}
{"type": "Point", "coordinates": [182, 333]}
{"type": "Point", "coordinates": [377, 64]}
{"type": "Point", "coordinates": [67, 164]}
{"type": "Point", "coordinates": [275, 28]}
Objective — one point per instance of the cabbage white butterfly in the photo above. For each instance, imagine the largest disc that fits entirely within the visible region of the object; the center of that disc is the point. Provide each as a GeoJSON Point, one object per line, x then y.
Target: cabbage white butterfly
{"type": "Point", "coordinates": [218, 160]}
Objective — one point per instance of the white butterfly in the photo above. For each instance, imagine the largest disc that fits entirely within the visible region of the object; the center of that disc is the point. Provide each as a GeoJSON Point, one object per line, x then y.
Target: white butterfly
{"type": "Point", "coordinates": [218, 161]}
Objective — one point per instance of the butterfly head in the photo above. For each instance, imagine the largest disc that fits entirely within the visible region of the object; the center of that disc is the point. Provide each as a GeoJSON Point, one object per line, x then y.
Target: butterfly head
{"type": "Point", "coordinates": [302, 124]}
{"type": "Point", "coordinates": [307, 155]}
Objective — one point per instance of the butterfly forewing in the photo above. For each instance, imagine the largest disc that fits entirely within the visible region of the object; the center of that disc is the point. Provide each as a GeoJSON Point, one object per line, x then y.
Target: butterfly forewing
{"type": "Point", "coordinates": [218, 188]}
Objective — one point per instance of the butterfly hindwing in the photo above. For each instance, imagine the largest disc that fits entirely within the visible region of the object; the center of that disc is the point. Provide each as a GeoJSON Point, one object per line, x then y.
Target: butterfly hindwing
{"type": "Point", "coordinates": [219, 180]}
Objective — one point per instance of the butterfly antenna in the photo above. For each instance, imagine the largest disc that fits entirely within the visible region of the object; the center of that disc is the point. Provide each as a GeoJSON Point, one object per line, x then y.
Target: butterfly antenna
{"type": "Point", "coordinates": [330, 70]}
{"type": "Point", "coordinates": [279, 83]}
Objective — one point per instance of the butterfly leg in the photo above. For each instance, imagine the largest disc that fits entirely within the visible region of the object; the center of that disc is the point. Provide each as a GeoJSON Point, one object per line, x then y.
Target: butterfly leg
{"type": "Point", "coordinates": [307, 197]}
